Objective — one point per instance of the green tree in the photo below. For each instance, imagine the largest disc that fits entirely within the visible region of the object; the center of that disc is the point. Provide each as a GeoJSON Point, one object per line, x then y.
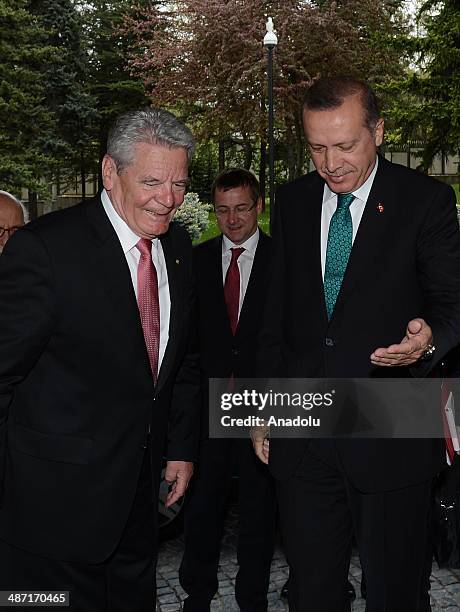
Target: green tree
{"type": "Point", "coordinates": [66, 86]}
{"type": "Point", "coordinates": [111, 83]}
{"type": "Point", "coordinates": [207, 59]}
{"type": "Point", "coordinates": [427, 103]}
{"type": "Point", "coordinates": [24, 114]}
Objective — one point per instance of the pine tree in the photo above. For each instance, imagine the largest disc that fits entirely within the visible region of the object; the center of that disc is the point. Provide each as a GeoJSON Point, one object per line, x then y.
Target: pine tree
{"type": "Point", "coordinates": [24, 114]}
{"type": "Point", "coordinates": [427, 104]}
{"type": "Point", "coordinates": [112, 85]}
{"type": "Point", "coordinates": [66, 86]}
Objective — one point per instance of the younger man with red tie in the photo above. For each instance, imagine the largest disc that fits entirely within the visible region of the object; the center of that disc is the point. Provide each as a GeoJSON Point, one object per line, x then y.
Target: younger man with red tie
{"type": "Point", "coordinates": [232, 275]}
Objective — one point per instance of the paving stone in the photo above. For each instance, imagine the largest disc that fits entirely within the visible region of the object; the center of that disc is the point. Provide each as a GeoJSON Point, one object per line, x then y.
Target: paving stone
{"type": "Point", "coordinates": [170, 608]}
{"type": "Point", "coordinates": [167, 599]}
{"type": "Point", "coordinates": [166, 590]}
{"type": "Point", "coordinates": [445, 583]}
{"type": "Point", "coordinates": [226, 590]}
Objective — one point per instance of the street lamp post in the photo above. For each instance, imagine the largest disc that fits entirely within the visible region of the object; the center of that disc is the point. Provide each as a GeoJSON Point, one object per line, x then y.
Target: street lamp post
{"type": "Point", "coordinates": [270, 42]}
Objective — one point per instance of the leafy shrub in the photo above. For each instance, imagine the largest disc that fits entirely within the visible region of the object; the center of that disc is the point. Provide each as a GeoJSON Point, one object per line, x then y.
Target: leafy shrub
{"type": "Point", "coordinates": [193, 215]}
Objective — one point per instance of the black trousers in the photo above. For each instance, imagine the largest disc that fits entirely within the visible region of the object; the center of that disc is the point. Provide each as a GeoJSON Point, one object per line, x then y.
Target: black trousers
{"type": "Point", "coordinates": [320, 510]}
{"type": "Point", "coordinates": [204, 518]}
{"type": "Point", "coordinates": [125, 582]}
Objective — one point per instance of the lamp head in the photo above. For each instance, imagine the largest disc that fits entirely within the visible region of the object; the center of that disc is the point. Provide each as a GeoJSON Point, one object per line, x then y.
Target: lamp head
{"type": "Point", "coordinates": [270, 38]}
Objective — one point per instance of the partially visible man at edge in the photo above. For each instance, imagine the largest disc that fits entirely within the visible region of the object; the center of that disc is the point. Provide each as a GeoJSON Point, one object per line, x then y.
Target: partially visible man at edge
{"type": "Point", "coordinates": [11, 217]}
{"type": "Point", "coordinates": [338, 294]}
{"type": "Point", "coordinates": [96, 374]}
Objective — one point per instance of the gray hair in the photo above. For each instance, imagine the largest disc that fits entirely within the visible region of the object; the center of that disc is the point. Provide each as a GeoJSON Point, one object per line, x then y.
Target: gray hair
{"type": "Point", "coordinates": [149, 125]}
{"type": "Point", "coordinates": [13, 198]}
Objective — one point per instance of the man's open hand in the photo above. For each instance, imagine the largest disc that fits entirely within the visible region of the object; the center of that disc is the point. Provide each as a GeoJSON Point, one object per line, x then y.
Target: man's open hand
{"type": "Point", "coordinates": [409, 350]}
{"type": "Point", "coordinates": [178, 474]}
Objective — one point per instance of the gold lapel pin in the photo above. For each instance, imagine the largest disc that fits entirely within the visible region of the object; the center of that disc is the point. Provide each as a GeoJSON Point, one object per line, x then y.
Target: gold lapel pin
{"type": "Point", "coordinates": [380, 208]}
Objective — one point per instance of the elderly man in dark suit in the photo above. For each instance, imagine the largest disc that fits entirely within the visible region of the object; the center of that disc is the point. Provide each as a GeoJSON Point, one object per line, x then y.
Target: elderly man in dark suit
{"type": "Point", "coordinates": [362, 246]}
{"type": "Point", "coordinates": [96, 374]}
{"type": "Point", "coordinates": [232, 276]}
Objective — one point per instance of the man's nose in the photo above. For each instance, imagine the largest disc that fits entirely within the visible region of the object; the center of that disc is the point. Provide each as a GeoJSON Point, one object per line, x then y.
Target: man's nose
{"type": "Point", "coordinates": [166, 196]}
{"type": "Point", "coordinates": [332, 161]}
{"type": "Point", "coordinates": [232, 215]}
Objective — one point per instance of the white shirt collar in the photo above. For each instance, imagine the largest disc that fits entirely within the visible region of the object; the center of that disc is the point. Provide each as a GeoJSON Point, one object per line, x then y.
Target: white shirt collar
{"type": "Point", "coordinates": [362, 193]}
{"type": "Point", "coordinates": [249, 245]}
{"type": "Point", "coordinates": [126, 236]}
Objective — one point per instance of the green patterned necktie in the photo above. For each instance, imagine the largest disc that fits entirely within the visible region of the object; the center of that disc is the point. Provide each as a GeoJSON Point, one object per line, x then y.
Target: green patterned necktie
{"type": "Point", "coordinates": [339, 244]}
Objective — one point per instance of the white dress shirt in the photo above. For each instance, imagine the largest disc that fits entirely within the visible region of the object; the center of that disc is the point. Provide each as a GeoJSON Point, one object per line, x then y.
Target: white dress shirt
{"type": "Point", "coordinates": [356, 210]}
{"type": "Point", "coordinates": [245, 261]}
{"type": "Point", "coordinates": [128, 240]}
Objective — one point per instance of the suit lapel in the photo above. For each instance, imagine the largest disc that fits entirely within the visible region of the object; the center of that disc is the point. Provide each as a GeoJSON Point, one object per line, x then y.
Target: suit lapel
{"type": "Point", "coordinates": [376, 222]}
{"type": "Point", "coordinates": [173, 262]}
{"type": "Point", "coordinates": [312, 240]}
{"type": "Point", "coordinates": [113, 276]}
{"type": "Point", "coordinates": [215, 285]}
{"type": "Point", "coordinates": [257, 278]}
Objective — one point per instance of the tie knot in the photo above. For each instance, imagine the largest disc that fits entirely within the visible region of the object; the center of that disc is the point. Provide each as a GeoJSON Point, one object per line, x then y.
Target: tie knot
{"type": "Point", "coordinates": [236, 253]}
{"type": "Point", "coordinates": [145, 246]}
{"type": "Point", "coordinates": [344, 200]}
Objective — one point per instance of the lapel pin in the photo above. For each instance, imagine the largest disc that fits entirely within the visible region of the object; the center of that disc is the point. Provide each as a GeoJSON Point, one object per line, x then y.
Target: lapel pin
{"type": "Point", "coordinates": [177, 261]}
{"type": "Point", "coordinates": [380, 208]}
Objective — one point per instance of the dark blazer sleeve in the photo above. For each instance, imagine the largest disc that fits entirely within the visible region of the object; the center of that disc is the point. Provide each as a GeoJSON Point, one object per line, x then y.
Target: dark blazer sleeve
{"type": "Point", "coordinates": [26, 316]}
{"type": "Point", "coordinates": [268, 359]}
{"type": "Point", "coordinates": [183, 429]}
{"type": "Point", "coordinates": [438, 260]}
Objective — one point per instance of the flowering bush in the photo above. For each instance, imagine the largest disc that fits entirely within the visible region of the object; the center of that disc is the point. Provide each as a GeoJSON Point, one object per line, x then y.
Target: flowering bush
{"type": "Point", "coordinates": [193, 215]}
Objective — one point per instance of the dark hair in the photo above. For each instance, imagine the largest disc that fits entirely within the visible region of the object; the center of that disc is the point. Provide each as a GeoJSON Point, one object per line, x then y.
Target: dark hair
{"type": "Point", "coordinates": [330, 92]}
{"type": "Point", "coordinates": [236, 177]}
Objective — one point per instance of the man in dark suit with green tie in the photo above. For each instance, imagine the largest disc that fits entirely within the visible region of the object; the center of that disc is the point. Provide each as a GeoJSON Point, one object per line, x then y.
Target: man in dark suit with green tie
{"type": "Point", "coordinates": [361, 247]}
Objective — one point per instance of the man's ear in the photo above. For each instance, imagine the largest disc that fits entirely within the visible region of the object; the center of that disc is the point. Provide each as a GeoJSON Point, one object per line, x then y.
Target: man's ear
{"type": "Point", "coordinates": [259, 205]}
{"type": "Point", "coordinates": [109, 171]}
{"type": "Point", "coordinates": [378, 132]}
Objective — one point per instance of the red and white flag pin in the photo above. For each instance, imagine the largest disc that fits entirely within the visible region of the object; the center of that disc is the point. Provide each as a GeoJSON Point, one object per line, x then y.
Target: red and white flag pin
{"type": "Point", "coordinates": [380, 207]}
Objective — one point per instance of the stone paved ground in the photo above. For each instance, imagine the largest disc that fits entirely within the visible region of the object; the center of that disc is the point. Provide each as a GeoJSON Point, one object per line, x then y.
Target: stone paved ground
{"type": "Point", "coordinates": [445, 584]}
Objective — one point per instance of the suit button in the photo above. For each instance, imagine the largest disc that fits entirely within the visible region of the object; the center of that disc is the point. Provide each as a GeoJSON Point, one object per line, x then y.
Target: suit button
{"type": "Point", "coordinates": [329, 342]}
{"type": "Point", "coordinates": [234, 351]}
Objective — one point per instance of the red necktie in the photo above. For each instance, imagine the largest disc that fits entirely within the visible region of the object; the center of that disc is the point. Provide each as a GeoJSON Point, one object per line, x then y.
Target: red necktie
{"type": "Point", "coordinates": [232, 289]}
{"type": "Point", "coordinates": [147, 298]}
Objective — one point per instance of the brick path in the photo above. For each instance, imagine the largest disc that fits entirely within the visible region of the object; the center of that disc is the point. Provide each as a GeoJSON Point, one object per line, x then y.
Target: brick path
{"type": "Point", "coordinates": [445, 584]}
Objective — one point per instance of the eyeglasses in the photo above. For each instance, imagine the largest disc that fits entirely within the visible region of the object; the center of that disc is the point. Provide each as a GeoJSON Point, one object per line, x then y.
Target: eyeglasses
{"type": "Point", "coordinates": [8, 230]}
{"type": "Point", "coordinates": [241, 210]}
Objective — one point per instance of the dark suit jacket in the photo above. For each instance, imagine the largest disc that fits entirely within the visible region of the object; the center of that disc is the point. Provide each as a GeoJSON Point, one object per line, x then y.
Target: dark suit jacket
{"type": "Point", "coordinates": [405, 263]}
{"type": "Point", "coordinates": [76, 390]}
{"type": "Point", "coordinates": [221, 353]}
